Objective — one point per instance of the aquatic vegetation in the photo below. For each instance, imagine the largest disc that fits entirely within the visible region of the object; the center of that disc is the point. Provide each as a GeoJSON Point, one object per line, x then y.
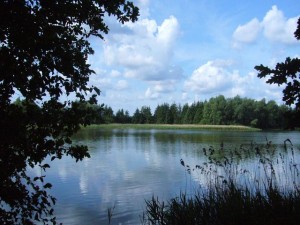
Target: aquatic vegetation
{"type": "Point", "coordinates": [236, 188]}
{"type": "Point", "coordinates": [172, 127]}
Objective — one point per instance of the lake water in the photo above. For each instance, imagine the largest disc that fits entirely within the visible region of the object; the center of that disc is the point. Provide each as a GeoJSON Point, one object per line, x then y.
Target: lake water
{"type": "Point", "coordinates": [128, 166]}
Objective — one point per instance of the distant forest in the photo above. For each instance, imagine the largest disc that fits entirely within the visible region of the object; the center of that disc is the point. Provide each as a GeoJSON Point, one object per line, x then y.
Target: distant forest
{"type": "Point", "coordinates": [217, 111]}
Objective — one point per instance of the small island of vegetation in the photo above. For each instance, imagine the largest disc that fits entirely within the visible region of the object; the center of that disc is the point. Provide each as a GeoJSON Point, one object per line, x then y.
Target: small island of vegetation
{"type": "Point", "coordinates": [173, 127]}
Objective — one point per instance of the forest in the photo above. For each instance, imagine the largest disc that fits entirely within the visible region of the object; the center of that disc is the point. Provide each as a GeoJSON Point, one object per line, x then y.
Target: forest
{"type": "Point", "coordinates": [216, 111]}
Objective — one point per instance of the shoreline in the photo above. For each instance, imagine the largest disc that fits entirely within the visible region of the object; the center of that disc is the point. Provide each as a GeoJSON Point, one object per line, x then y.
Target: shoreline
{"type": "Point", "coordinates": [173, 127]}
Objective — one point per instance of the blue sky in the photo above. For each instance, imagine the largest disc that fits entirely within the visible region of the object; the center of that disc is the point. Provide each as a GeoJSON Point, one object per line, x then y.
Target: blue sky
{"type": "Point", "coordinates": [191, 50]}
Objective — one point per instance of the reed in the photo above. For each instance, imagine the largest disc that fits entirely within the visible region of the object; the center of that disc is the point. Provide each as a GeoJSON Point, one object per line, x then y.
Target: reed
{"type": "Point", "coordinates": [173, 127]}
{"type": "Point", "coordinates": [232, 192]}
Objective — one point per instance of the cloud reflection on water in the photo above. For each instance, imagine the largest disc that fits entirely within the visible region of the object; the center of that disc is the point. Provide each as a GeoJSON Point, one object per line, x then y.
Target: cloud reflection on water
{"type": "Point", "coordinates": [127, 167]}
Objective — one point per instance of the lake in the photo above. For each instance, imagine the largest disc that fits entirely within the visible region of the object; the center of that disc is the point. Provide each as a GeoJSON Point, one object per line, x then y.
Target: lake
{"type": "Point", "coordinates": [128, 166]}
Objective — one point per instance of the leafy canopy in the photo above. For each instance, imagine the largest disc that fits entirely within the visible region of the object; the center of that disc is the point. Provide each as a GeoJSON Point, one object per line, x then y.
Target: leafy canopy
{"type": "Point", "coordinates": [287, 73]}
{"type": "Point", "coordinates": [44, 47]}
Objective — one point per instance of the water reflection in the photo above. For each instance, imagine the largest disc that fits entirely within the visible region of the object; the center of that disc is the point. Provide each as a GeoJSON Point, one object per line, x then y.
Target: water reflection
{"type": "Point", "coordinates": [128, 166]}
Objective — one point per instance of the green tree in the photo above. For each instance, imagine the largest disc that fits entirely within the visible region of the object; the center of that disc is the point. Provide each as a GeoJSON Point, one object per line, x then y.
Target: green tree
{"type": "Point", "coordinates": [261, 114]}
{"type": "Point", "coordinates": [248, 106]}
{"type": "Point", "coordinates": [184, 111]}
{"type": "Point", "coordinates": [44, 47]}
{"type": "Point", "coordinates": [174, 114]}
{"type": "Point", "coordinates": [157, 115]}
{"type": "Point", "coordinates": [188, 113]}
{"type": "Point", "coordinates": [229, 112]}
{"type": "Point", "coordinates": [137, 117]}
{"type": "Point", "coordinates": [120, 116]}
{"type": "Point", "coordinates": [199, 113]}
{"type": "Point", "coordinates": [127, 118]}
{"type": "Point", "coordinates": [161, 114]}
{"type": "Point", "coordinates": [286, 73]}
{"type": "Point", "coordinates": [214, 111]}
{"type": "Point", "coordinates": [274, 115]}
{"type": "Point", "coordinates": [206, 116]}
{"type": "Point", "coordinates": [91, 113]}
{"type": "Point", "coordinates": [285, 120]}
{"type": "Point", "coordinates": [218, 107]}
{"type": "Point", "coordinates": [106, 115]}
{"type": "Point", "coordinates": [146, 114]}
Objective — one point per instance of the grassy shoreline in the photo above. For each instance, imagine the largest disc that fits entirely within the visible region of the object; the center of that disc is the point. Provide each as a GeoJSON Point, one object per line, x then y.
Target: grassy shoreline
{"type": "Point", "coordinates": [174, 127]}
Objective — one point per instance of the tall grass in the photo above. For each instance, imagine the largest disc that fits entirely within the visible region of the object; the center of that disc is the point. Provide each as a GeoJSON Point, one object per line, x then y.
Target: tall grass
{"type": "Point", "coordinates": [174, 127]}
{"type": "Point", "coordinates": [254, 184]}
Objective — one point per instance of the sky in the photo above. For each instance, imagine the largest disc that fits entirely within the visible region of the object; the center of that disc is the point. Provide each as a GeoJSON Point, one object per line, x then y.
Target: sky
{"type": "Point", "coordinates": [191, 50]}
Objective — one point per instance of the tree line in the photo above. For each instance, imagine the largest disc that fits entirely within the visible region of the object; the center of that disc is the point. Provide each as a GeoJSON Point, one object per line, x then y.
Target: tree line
{"type": "Point", "coordinates": [216, 111]}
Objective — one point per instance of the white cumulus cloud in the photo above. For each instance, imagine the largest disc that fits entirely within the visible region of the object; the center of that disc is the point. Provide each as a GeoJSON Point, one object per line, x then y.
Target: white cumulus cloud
{"type": "Point", "coordinates": [247, 33]}
{"type": "Point", "coordinates": [209, 78]}
{"type": "Point", "coordinates": [216, 77]}
{"type": "Point", "coordinates": [146, 51]}
{"type": "Point", "coordinates": [278, 28]}
{"type": "Point", "coordinates": [274, 26]}
{"type": "Point", "coordinates": [158, 88]}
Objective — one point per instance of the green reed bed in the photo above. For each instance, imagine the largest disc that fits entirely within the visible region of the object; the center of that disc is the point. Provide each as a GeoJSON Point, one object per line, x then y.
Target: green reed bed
{"type": "Point", "coordinates": [236, 191]}
{"type": "Point", "coordinates": [174, 127]}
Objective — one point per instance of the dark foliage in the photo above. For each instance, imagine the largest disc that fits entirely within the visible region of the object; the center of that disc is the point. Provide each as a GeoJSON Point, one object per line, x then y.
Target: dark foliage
{"type": "Point", "coordinates": [44, 48]}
